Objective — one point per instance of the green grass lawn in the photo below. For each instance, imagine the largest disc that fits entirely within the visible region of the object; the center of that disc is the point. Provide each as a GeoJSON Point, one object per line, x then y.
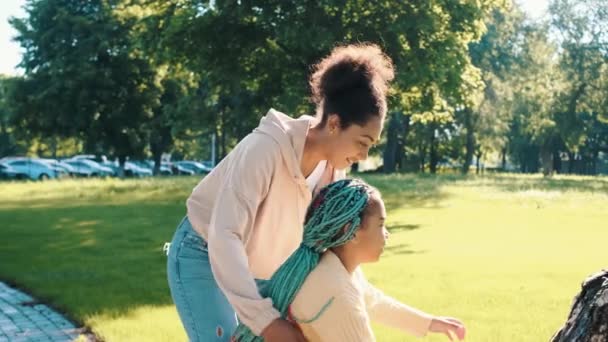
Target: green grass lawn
{"type": "Point", "coordinates": [504, 253]}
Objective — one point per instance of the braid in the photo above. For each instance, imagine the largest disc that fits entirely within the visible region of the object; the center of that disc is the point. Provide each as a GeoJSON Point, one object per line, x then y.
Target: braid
{"type": "Point", "coordinates": [331, 220]}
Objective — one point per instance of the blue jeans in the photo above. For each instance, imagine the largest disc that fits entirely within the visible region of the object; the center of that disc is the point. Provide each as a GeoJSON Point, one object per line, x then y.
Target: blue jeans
{"type": "Point", "coordinates": [201, 305]}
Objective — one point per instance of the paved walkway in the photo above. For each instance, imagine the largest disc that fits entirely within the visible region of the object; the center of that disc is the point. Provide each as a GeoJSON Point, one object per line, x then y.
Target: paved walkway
{"type": "Point", "coordinates": [23, 319]}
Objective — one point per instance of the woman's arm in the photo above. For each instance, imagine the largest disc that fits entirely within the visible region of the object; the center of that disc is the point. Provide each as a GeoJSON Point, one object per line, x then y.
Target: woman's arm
{"type": "Point", "coordinates": [245, 185]}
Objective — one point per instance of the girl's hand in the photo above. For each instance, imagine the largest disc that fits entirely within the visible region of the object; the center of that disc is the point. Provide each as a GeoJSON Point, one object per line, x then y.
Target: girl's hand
{"type": "Point", "coordinates": [448, 326]}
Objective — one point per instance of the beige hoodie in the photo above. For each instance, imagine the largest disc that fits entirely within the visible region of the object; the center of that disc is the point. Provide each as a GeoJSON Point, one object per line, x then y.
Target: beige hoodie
{"type": "Point", "coordinates": [250, 209]}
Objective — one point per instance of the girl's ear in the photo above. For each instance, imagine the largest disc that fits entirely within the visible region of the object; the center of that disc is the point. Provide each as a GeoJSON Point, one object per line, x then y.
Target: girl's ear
{"type": "Point", "coordinates": [355, 238]}
{"type": "Point", "coordinates": [346, 228]}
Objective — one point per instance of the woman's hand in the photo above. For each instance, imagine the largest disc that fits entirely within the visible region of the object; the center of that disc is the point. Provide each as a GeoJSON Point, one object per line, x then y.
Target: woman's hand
{"type": "Point", "coordinates": [448, 326]}
{"type": "Point", "coordinates": [280, 330]}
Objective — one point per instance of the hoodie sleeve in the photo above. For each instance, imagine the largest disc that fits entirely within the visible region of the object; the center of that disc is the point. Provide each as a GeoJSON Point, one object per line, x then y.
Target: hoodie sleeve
{"type": "Point", "coordinates": [388, 311]}
{"type": "Point", "coordinates": [245, 186]}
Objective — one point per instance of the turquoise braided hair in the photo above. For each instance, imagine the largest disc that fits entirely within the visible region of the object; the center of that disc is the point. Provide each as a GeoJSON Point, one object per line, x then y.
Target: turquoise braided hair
{"type": "Point", "coordinates": [331, 220]}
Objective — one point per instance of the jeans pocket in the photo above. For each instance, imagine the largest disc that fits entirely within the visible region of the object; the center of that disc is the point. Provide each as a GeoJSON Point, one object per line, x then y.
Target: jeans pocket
{"type": "Point", "coordinates": [193, 247]}
{"type": "Point", "coordinates": [193, 262]}
{"type": "Point", "coordinates": [194, 241]}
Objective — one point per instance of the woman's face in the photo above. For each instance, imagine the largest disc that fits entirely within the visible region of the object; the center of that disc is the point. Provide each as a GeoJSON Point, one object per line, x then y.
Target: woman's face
{"type": "Point", "coordinates": [350, 145]}
{"type": "Point", "coordinates": [371, 237]}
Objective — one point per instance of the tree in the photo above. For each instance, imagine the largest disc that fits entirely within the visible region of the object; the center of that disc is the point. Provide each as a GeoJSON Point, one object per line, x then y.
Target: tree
{"type": "Point", "coordinates": [580, 27]}
{"type": "Point", "coordinates": [536, 85]}
{"type": "Point", "coordinates": [8, 145]}
{"type": "Point", "coordinates": [486, 123]}
{"type": "Point", "coordinates": [83, 77]}
{"type": "Point", "coordinates": [255, 54]}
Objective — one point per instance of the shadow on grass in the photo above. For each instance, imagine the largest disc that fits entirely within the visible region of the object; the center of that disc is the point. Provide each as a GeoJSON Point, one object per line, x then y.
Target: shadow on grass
{"type": "Point", "coordinates": [69, 193]}
{"type": "Point", "coordinates": [412, 190]}
{"type": "Point", "coordinates": [88, 260]}
{"type": "Point", "coordinates": [401, 249]}
{"type": "Point", "coordinates": [517, 183]}
{"type": "Point", "coordinates": [402, 227]}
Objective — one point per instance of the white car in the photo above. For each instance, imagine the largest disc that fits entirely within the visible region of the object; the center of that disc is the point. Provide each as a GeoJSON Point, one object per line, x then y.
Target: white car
{"type": "Point", "coordinates": [7, 172]}
{"type": "Point", "coordinates": [132, 169]}
{"type": "Point", "coordinates": [194, 166]}
{"type": "Point", "coordinates": [86, 166]}
{"type": "Point", "coordinates": [35, 169]}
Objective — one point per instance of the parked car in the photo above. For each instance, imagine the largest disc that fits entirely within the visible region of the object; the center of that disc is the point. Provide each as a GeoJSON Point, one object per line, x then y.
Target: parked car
{"type": "Point", "coordinates": [78, 170]}
{"type": "Point", "coordinates": [35, 169]}
{"type": "Point", "coordinates": [134, 170]}
{"type": "Point", "coordinates": [84, 156]}
{"type": "Point", "coordinates": [164, 169]}
{"type": "Point", "coordinates": [131, 169]}
{"type": "Point", "coordinates": [207, 163]}
{"type": "Point", "coordinates": [7, 172]}
{"type": "Point", "coordinates": [88, 167]}
{"type": "Point", "coordinates": [112, 165]}
{"type": "Point", "coordinates": [69, 169]}
{"type": "Point", "coordinates": [3, 159]}
{"type": "Point", "coordinates": [99, 159]}
{"type": "Point", "coordinates": [194, 166]}
{"type": "Point", "coordinates": [178, 169]}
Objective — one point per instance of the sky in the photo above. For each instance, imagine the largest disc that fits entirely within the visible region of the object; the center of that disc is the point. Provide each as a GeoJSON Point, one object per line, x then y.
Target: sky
{"type": "Point", "coordinates": [10, 52]}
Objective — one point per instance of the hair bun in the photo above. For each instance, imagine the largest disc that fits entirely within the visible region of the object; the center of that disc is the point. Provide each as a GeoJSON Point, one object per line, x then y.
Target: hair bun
{"type": "Point", "coordinates": [358, 66]}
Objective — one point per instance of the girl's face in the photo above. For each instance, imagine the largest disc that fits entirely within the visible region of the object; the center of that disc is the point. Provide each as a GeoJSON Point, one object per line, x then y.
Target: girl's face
{"type": "Point", "coordinates": [371, 237]}
{"type": "Point", "coordinates": [352, 144]}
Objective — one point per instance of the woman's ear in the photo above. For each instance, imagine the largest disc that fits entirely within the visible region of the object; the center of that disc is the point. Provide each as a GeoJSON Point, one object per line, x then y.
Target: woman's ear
{"type": "Point", "coordinates": [333, 123]}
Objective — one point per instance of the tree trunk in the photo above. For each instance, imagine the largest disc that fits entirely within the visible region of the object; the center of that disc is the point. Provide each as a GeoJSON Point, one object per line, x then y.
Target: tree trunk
{"type": "Point", "coordinates": [524, 163]}
{"type": "Point", "coordinates": [433, 158]}
{"type": "Point", "coordinates": [405, 129]}
{"type": "Point", "coordinates": [157, 152]}
{"type": "Point", "coordinates": [478, 163]}
{"type": "Point", "coordinates": [595, 158]}
{"type": "Point", "coordinates": [470, 145]}
{"type": "Point", "coordinates": [557, 161]}
{"type": "Point", "coordinates": [393, 156]}
{"type": "Point", "coordinates": [161, 140]}
{"type": "Point", "coordinates": [157, 156]}
{"type": "Point", "coordinates": [588, 319]}
{"type": "Point", "coordinates": [4, 140]}
{"type": "Point", "coordinates": [547, 160]}
{"type": "Point", "coordinates": [570, 162]}
{"type": "Point", "coordinates": [54, 147]}
{"type": "Point", "coordinates": [422, 156]}
{"type": "Point", "coordinates": [222, 141]}
{"type": "Point", "coordinates": [390, 150]}
{"type": "Point", "coordinates": [121, 166]}
{"type": "Point", "coordinates": [504, 159]}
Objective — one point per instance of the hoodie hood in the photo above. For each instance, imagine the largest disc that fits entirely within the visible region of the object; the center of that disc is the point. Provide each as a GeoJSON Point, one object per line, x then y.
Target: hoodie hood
{"type": "Point", "coordinates": [290, 134]}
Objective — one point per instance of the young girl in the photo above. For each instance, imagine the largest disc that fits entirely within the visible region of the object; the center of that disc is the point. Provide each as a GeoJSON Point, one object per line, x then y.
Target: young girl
{"type": "Point", "coordinates": [321, 287]}
{"type": "Point", "coordinates": [245, 217]}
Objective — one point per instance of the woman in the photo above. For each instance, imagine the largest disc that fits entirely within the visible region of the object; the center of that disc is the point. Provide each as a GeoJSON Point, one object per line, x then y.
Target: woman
{"type": "Point", "coordinates": [245, 218]}
{"type": "Point", "coordinates": [321, 287]}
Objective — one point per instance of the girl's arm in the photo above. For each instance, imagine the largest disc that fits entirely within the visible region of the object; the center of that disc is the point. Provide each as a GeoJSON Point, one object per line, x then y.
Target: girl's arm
{"type": "Point", "coordinates": [389, 311]}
